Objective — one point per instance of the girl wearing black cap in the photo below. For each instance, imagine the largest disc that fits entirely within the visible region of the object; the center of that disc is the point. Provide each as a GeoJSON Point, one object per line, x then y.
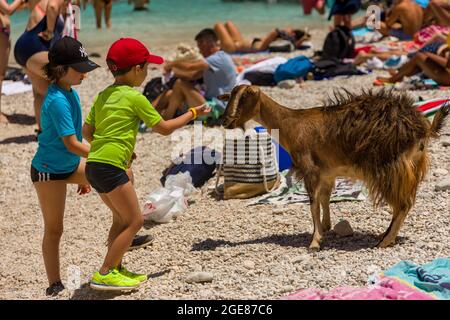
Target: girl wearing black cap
{"type": "Point", "coordinates": [59, 158]}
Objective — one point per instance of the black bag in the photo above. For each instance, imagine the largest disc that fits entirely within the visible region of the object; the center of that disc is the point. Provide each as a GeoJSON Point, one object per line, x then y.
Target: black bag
{"type": "Point", "coordinates": [329, 68]}
{"type": "Point", "coordinates": [260, 78]}
{"type": "Point", "coordinates": [339, 43]}
{"type": "Point", "coordinates": [155, 87]}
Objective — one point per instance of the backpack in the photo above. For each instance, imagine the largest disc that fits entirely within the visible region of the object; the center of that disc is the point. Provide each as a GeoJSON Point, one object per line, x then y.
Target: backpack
{"type": "Point", "coordinates": [154, 88]}
{"type": "Point", "coordinates": [258, 78]}
{"type": "Point", "coordinates": [200, 172]}
{"type": "Point", "coordinates": [294, 68]}
{"type": "Point", "coordinates": [329, 68]}
{"type": "Point", "coordinates": [339, 43]}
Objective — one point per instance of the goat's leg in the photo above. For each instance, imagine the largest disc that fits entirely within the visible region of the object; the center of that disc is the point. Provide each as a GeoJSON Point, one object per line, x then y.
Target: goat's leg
{"type": "Point", "coordinates": [399, 215]}
{"type": "Point", "coordinates": [325, 194]}
{"type": "Point", "coordinates": [314, 198]}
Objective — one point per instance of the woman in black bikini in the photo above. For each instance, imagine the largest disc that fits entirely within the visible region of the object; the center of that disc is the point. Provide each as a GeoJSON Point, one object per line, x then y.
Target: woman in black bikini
{"type": "Point", "coordinates": [44, 28]}
{"type": "Point", "coordinates": [231, 39]}
{"type": "Point", "coordinates": [5, 43]}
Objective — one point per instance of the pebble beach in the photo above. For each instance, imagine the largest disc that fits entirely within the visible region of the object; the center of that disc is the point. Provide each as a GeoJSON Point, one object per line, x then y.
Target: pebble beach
{"type": "Point", "coordinates": [257, 252]}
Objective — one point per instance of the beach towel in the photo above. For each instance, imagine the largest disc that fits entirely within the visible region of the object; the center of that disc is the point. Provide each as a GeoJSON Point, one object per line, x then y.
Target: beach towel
{"type": "Point", "coordinates": [290, 192]}
{"type": "Point", "coordinates": [70, 29]}
{"type": "Point", "coordinates": [429, 32]}
{"type": "Point", "coordinates": [430, 107]}
{"type": "Point", "coordinates": [266, 66]}
{"type": "Point", "coordinates": [10, 88]}
{"type": "Point", "coordinates": [432, 278]}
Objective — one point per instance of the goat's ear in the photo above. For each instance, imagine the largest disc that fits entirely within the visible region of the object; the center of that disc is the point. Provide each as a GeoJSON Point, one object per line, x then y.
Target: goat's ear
{"type": "Point", "coordinates": [224, 97]}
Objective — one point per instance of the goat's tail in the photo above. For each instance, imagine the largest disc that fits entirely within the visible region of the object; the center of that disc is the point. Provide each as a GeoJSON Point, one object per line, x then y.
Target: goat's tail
{"type": "Point", "coordinates": [397, 182]}
{"type": "Point", "coordinates": [438, 121]}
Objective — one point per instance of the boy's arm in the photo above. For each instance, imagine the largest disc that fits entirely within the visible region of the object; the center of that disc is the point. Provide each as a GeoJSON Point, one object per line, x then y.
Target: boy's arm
{"type": "Point", "coordinates": [166, 127]}
{"type": "Point", "coordinates": [188, 75]}
{"type": "Point", "coordinates": [75, 146]}
{"type": "Point", "coordinates": [88, 132]}
{"type": "Point", "coordinates": [189, 66]}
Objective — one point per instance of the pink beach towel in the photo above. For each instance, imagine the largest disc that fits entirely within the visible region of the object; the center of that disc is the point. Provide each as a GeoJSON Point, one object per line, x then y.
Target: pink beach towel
{"type": "Point", "coordinates": [387, 289]}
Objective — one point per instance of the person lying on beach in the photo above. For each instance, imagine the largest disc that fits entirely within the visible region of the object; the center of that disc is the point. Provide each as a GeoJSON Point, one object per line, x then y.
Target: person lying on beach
{"type": "Point", "coordinates": [232, 41]}
{"type": "Point", "coordinates": [60, 157]}
{"type": "Point", "coordinates": [436, 67]}
{"type": "Point", "coordinates": [217, 70]}
{"type": "Point", "coordinates": [111, 128]}
{"type": "Point", "coordinates": [403, 20]}
{"type": "Point", "coordinates": [5, 42]}
{"type": "Point", "coordinates": [436, 45]}
{"type": "Point", "coordinates": [438, 12]}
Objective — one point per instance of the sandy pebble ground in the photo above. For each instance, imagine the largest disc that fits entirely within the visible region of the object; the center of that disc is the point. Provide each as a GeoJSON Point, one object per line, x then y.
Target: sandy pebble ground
{"type": "Point", "coordinates": [251, 252]}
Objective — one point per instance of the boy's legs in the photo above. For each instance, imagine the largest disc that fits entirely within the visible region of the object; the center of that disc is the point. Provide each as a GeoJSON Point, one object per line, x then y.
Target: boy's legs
{"type": "Point", "coordinates": [182, 91]}
{"type": "Point", "coordinates": [125, 201]}
{"type": "Point", "coordinates": [52, 199]}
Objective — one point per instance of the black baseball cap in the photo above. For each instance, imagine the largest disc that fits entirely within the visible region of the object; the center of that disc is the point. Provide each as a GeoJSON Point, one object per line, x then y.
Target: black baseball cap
{"type": "Point", "coordinates": [70, 52]}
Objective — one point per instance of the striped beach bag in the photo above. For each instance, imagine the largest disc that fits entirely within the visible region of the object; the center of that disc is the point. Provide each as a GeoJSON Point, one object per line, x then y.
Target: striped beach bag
{"type": "Point", "coordinates": [249, 166]}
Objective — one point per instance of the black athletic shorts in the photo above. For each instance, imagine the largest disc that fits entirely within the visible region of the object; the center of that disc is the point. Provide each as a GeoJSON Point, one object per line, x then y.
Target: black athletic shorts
{"type": "Point", "coordinates": [37, 176]}
{"type": "Point", "coordinates": [104, 177]}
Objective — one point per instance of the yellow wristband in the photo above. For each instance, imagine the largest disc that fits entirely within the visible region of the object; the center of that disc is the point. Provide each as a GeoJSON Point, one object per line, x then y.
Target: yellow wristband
{"type": "Point", "coordinates": [194, 112]}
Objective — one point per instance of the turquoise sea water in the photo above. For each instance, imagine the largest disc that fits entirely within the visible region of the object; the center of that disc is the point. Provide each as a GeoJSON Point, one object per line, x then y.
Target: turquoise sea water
{"type": "Point", "coordinates": [171, 21]}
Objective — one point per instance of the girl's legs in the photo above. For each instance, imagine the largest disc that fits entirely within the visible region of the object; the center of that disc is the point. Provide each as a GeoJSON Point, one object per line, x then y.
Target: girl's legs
{"type": "Point", "coordinates": [108, 8]}
{"type": "Point", "coordinates": [125, 201]}
{"type": "Point", "coordinates": [52, 199]}
{"type": "Point", "coordinates": [40, 84]}
{"type": "Point", "coordinates": [98, 7]}
{"type": "Point", "coordinates": [226, 41]}
{"type": "Point", "coordinates": [5, 47]}
{"type": "Point", "coordinates": [434, 71]}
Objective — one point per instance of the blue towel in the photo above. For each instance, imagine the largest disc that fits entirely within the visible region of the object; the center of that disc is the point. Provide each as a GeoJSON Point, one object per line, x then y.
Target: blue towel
{"type": "Point", "coordinates": [433, 277]}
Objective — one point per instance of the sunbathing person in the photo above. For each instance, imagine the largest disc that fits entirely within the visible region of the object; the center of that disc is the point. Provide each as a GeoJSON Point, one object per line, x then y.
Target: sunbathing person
{"type": "Point", "coordinates": [436, 67]}
{"type": "Point", "coordinates": [217, 70]}
{"type": "Point", "coordinates": [438, 12]}
{"type": "Point", "coordinates": [231, 39]}
{"type": "Point", "coordinates": [403, 21]}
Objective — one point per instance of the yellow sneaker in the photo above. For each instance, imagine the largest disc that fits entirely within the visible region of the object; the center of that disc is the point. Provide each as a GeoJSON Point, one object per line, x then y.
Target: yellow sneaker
{"type": "Point", "coordinates": [114, 281]}
{"type": "Point", "coordinates": [135, 276]}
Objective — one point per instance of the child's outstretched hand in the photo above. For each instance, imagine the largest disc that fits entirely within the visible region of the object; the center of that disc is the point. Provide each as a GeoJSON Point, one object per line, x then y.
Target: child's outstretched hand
{"type": "Point", "coordinates": [202, 110]}
{"type": "Point", "coordinates": [83, 189]}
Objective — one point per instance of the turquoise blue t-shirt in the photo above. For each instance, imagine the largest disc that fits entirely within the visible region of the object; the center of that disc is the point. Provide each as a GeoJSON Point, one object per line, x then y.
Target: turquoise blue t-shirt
{"type": "Point", "coordinates": [60, 117]}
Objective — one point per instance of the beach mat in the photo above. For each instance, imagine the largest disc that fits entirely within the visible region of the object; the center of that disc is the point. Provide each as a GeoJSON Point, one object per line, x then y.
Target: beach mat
{"type": "Point", "coordinates": [290, 192]}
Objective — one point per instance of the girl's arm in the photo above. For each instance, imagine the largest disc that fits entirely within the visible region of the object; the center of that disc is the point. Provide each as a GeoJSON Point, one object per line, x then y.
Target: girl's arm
{"type": "Point", "coordinates": [166, 127]}
{"type": "Point", "coordinates": [88, 132]}
{"type": "Point", "coordinates": [7, 9]}
{"type": "Point", "coordinates": [75, 146]}
{"type": "Point", "coordinates": [53, 11]}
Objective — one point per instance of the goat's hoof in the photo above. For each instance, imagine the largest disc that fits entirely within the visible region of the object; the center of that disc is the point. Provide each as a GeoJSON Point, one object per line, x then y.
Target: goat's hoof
{"type": "Point", "coordinates": [326, 227]}
{"type": "Point", "coordinates": [385, 243]}
{"type": "Point", "coordinates": [314, 247]}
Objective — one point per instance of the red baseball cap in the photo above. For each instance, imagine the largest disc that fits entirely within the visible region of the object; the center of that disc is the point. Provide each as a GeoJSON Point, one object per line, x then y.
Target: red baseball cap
{"type": "Point", "coordinates": [128, 52]}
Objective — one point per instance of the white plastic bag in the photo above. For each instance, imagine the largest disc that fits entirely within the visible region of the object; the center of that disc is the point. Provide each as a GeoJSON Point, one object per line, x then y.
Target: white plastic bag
{"type": "Point", "coordinates": [164, 204]}
{"type": "Point", "coordinates": [181, 180]}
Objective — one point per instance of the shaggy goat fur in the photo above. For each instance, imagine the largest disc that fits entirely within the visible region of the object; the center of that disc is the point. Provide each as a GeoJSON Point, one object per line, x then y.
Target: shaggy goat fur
{"type": "Point", "coordinates": [378, 137]}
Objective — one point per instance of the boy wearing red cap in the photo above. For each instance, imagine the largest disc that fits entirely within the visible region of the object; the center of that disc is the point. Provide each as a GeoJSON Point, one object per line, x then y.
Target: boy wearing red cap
{"type": "Point", "coordinates": [111, 128]}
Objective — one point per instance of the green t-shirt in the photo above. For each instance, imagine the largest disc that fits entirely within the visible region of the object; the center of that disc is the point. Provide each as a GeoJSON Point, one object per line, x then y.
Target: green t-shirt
{"type": "Point", "coordinates": [115, 115]}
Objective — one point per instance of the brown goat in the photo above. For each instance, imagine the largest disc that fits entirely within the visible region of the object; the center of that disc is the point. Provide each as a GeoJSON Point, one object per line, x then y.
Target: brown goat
{"type": "Point", "coordinates": [379, 138]}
